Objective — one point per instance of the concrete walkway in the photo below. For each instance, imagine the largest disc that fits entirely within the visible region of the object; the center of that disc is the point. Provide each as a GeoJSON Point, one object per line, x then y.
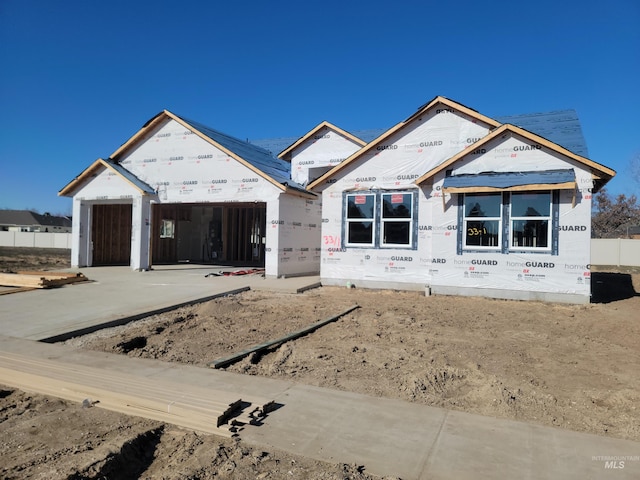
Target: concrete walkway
{"type": "Point", "coordinates": [388, 437]}
{"type": "Point", "coordinates": [116, 295]}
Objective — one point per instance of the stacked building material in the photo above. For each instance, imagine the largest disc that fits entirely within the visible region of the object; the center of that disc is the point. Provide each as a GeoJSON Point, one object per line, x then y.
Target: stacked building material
{"type": "Point", "coordinates": [197, 408]}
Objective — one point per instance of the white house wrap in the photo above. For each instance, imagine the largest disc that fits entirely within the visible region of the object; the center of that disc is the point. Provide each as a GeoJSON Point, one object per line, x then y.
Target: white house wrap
{"type": "Point", "coordinates": [453, 201]}
{"type": "Point", "coordinates": [178, 191]}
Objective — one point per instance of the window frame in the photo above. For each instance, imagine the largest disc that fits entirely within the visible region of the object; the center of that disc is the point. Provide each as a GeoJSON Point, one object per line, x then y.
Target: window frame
{"type": "Point", "coordinates": [390, 220]}
{"type": "Point", "coordinates": [379, 221]}
{"type": "Point", "coordinates": [469, 218]}
{"type": "Point", "coordinates": [506, 226]}
{"type": "Point", "coordinates": [348, 220]}
{"type": "Point", "coordinates": [548, 218]}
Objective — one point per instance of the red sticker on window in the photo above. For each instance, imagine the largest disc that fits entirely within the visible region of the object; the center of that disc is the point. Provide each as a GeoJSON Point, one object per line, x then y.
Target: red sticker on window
{"type": "Point", "coordinates": [397, 198]}
{"type": "Point", "coordinates": [361, 199]}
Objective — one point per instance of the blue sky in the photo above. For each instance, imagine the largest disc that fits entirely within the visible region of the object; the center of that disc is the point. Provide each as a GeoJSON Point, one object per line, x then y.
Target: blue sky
{"type": "Point", "coordinates": [78, 78]}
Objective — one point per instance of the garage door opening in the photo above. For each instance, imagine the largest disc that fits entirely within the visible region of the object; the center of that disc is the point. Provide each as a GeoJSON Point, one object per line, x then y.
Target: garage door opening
{"type": "Point", "coordinates": [111, 234]}
{"type": "Point", "coordinates": [209, 234]}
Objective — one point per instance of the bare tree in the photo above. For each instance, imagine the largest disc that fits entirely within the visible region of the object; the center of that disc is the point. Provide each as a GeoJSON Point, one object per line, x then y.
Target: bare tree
{"type": "Point", "coordinates": [612, 218]}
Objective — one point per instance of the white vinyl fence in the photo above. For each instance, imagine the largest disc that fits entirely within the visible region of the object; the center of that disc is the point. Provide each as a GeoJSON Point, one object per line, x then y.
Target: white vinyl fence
{"type": "Point", "coordinates": [615, 251]}
{"type": "Point", "coordinates": [35, 239]}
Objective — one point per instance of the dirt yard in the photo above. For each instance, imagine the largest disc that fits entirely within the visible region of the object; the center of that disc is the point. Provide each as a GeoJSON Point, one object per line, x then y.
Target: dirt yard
{"type": "Point", "coordinates": [573, 367]}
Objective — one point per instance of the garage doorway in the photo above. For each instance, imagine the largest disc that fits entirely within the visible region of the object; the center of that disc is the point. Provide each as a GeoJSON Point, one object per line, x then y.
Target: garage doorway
{"type": "Point", "coordinates": [111, 234]}
{"type": "Point", "coordinates": [209, 234]}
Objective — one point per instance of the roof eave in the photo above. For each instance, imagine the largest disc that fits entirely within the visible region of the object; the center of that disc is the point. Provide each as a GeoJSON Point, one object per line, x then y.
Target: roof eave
{"type": "Point", "coordinates": [598, 171]}
{"type": "Point", "coordinates": [287, 151]}
{"type": "Point", "coordinates": [421, 111]}
{"type": "Point", "coordinates": [228, 152]}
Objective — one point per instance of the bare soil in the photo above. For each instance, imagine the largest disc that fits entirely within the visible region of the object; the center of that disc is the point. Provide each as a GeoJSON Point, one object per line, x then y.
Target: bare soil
{"type": "Point", "coordinates": [573, 367]}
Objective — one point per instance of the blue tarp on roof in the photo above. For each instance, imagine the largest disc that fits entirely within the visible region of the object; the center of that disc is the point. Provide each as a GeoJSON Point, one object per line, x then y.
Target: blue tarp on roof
{"type": "Point", "coordinates": [257, 156]}
{"type": "Point", "coordinates": [509, 179]}
{"type": "Point", "coordinates": [561, 127]}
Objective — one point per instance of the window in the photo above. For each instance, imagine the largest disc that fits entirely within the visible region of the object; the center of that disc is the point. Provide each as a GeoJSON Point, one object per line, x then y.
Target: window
{"type": "Point", "coordinates": [516, 221]}
{"type": "Point", "coordinates": [167, 229]}
{"type": "Point", "coordinates": [396, 219]}
{"type": "Point", "coordinates": [360, 219]}
{"type": "Point", "coordinates": [482, 220]}
{"type": "Point", "coordinates": [530, 219]}
{"type": "Point", "coordinates": [380, 219]}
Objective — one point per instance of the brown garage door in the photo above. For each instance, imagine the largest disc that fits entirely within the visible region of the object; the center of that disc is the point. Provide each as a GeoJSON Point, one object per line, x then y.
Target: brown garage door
{"type": "Point", "coordinates": [111, 234]}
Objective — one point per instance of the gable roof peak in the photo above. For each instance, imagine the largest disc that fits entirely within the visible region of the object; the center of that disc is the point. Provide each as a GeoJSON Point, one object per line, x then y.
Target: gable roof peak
{"type": "Point", "coordinates": [286, 153]}
{"type": "Point", "coordinates": [601, 173]}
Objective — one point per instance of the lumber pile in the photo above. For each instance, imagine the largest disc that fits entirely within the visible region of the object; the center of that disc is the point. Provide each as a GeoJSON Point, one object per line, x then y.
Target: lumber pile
{"type": "Point", "coordinates": [37, 279]}
{"type": "Point", "coordinates": [197, 408]}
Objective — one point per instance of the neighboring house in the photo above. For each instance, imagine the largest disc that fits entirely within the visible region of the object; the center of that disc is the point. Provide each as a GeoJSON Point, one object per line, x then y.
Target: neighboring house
{"type": "Point", "coordinates": [453, 201]}
{"type": "Point", "coordinates": [178, 191]}
{"type": "Point", "coordinates": [317, 152]}
{"type": "Point", "coordinates": [28, 221]}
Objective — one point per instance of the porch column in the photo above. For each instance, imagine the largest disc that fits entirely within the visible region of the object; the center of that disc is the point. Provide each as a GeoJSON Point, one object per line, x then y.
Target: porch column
{"type": "Point", "coordinates": [81, 234]}
{"type": "Point", "coordinates": [140, 233]}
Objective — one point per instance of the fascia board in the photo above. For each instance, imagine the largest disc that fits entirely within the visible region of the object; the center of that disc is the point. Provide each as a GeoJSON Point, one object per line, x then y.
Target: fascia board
{"type": "Point", "coordinates": [316, 129]}
{"type": "Point", "coordinates": [599, 171]}
{"type": "Point", "coordinates": [456, 106]}
{"type": "Point", "coordinates": [421, 111]}
{"type": "Point", "coordinates": [151, 124]}
{"type": "Point", "coordinates": [72, 186]}
{"type": "Point", "coordinates": [228, 152]}
{"type": "Point", "coordinates": [355, 156]}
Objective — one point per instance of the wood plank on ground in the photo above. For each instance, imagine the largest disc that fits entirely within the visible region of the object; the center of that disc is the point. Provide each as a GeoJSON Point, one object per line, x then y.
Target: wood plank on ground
{"type": "Point", "coordinates": [223, 362]}
{"type": "Point", "coordinates": [193, 407]}
{"type": "Point", "coordinates": [40, 279]}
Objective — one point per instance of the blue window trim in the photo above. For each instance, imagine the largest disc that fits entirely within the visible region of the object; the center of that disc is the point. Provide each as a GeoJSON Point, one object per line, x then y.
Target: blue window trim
{"type": "Point", "coordinates": [506, 222]}
{"type": "Point", "coordinates": [378, 219]}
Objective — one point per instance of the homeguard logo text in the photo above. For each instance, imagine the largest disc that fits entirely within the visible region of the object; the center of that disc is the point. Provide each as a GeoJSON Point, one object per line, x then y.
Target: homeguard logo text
{"type": "Point", "coordinates": [522, 148]}
{"type": "Point", "coordinates": [407, 177]}
{"type": "Point", "coordinates": [387, 147]}
{"type": "Point", "coordinates": [219, 180]}
{"type": "Point", "coordinates": [249, 180]}
{"type": "Point", "coordinates": [175, 159]}
{"type": "Point", "coordinates": [163, 135]}
{"type": "Point", "coordinates": [336, 249]}
{"type": "Point", "coordinates": [540, 264]}
{"type": "Point", "coordinates": [307, 162]}
{"type": "Point", "coordinates": [573, 228]}
{"type": "Point", "coordinates": [434, 143]}
{"type": "Point", "coordinates": [149, 160]}
{"type": "Point", "coordinates": [318, 137]}
{"type": "Point", "coordinates": [190, 182]}
{"type": "Point", "coordinates": [277, 222]}
{"type": "Point", "coordinates": [472, 139]}
{"type": "Point", "coordinates": [475, 262]}
{"type": "Point", "coordinates": [402, 259]}
{"type": "Point", "coordinates": [480, 151]}
{"type": "Point", "coordinates": [445, 110]}
{"type": "Point", "coordinates": [365, 179]}
{"type": "Point", "coordinates": [200, 157]}
{"type": "Point", "coordinates": [484, 262]}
